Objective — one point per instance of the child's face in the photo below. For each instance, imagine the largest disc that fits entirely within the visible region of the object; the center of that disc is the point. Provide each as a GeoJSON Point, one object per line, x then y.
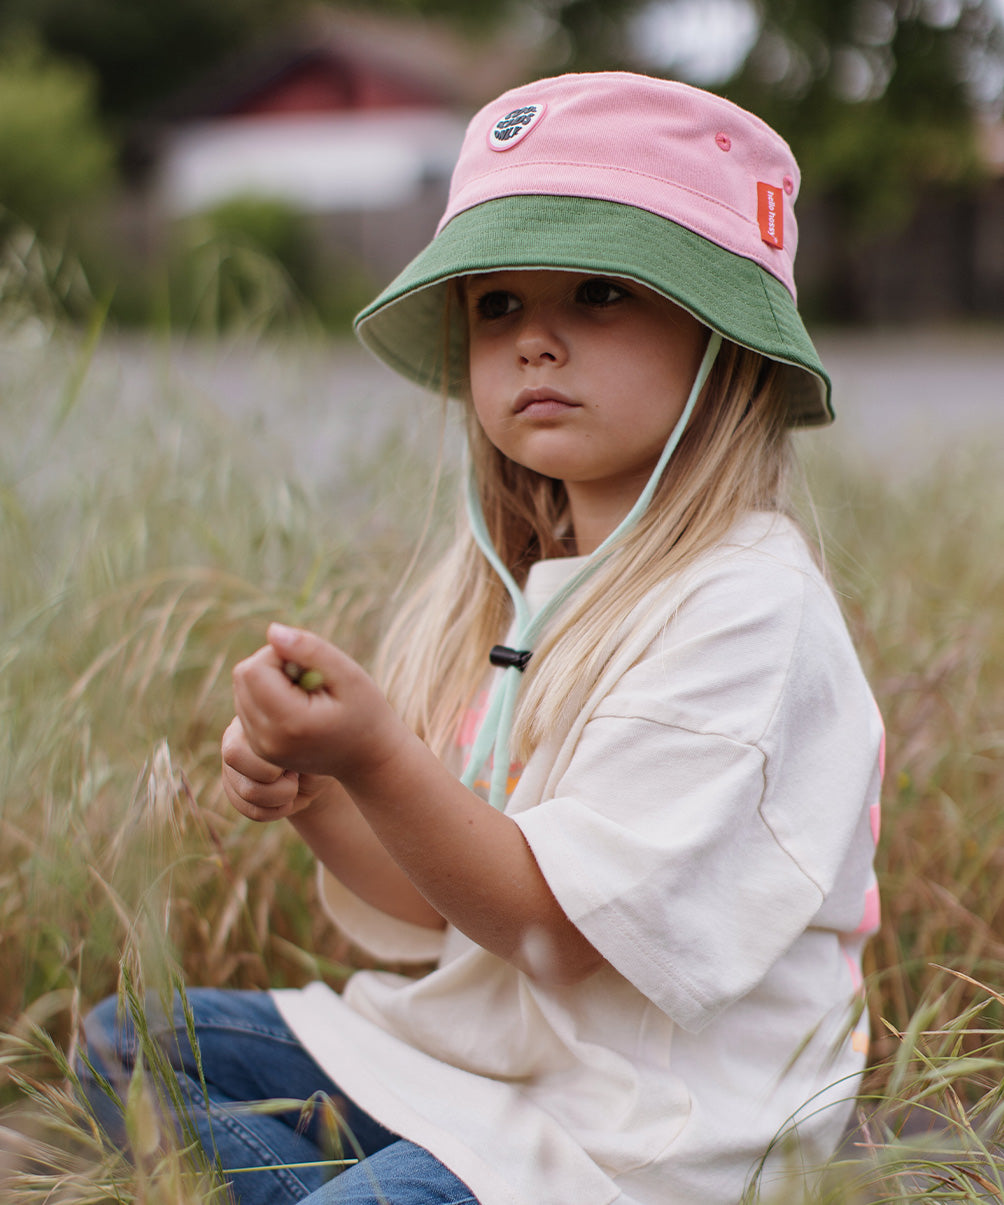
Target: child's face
{"type": "Point", "coordinates": [580, 377]}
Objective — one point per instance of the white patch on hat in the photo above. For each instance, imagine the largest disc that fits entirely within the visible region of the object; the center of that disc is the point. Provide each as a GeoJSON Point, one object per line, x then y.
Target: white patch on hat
{"type": "Point", "coordinates": [514, 126]}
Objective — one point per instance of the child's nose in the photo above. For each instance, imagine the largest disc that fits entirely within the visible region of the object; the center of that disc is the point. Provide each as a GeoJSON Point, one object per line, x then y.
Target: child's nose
{"type": "Point", "coordinates": [539, 339]}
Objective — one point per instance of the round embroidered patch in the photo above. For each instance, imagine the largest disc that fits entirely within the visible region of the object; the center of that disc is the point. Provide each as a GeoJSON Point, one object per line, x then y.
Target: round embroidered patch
{"type": "Point", "coordinates": [514, 127]}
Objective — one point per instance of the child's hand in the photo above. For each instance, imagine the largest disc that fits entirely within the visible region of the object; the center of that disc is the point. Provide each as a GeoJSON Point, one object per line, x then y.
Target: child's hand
{"type": "Point", "coordinates": [344, 728]}
{"type": "Point", "coordinates": [257, 788]}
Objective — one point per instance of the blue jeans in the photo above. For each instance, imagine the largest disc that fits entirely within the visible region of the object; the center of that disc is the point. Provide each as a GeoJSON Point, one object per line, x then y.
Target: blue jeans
{"type": "Point", "coordinates": [248, 1053]}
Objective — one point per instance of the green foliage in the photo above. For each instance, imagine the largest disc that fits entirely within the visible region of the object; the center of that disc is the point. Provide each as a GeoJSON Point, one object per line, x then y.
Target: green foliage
{"type": "Point", "coordinates": [326, 285]}
{"type": "Point", "coordinates": [221, 279]}
{"type": "Point", "coordinates": [479, 20]}
{"type": "Point", "coordinates": [276, 228]}
{"type": "Point", "coordinates": [578, 35]}
{"type": "Point", "coordinates": [594, 32]}
{"type": "Point", "coordinates": [876, 97]}
{"type": "Point", "coordinates": [41, 286]}
{"type": "Point", "coordinates": [53, 152]}
{"type": "Point", "coordinates": [143, 50]}
{"type": "Point", "coordinates": [247, 259]}
{"type": "Point", "coordinates": [252, 267]}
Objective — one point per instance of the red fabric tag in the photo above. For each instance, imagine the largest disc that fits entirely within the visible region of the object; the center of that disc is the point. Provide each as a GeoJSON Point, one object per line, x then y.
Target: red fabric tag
{"type": "Point", "coordinates": [770, 213]}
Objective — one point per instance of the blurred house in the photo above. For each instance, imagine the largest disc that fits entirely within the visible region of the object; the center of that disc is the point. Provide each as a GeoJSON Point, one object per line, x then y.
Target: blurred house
{"type": "Point", "coordinates": [351, 120]}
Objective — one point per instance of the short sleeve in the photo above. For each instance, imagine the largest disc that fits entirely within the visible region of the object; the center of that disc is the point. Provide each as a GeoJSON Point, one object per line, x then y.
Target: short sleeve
{"type": "Point", "coordinates": [382, 936]}
{"type": "Point", "coordinates": [698, 826]}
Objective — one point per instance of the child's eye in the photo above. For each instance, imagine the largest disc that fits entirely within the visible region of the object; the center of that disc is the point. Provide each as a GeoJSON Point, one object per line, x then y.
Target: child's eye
{"type": "Point", "coordinates": [496, 304]}
{"type": "Point", "coordinates": [598, 291]}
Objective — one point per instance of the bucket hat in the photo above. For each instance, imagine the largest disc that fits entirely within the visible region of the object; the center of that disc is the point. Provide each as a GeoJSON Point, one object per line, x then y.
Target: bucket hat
{"type": "Point", "coordinates": [624, 175]}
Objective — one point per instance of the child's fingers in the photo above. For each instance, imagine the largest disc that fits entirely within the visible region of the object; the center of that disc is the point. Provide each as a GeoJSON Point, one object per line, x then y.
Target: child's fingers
{"type": "Point", "coordinates": [264, 795]}
{"type": "Point", "coordinates": [264, 696]}
{"type": "Point", "coordinates": [278, 714]}
{"type": "Point", "coordinates": [312, 662]}
{"type": "Point", "coordinates": [256, 788]}
{"type": "Point", "coordinates": [337, 729]}
{"type": "Point", "coordinates": [278, 678]}
{"type": "Point", "coordinates": [239, 756]}
{"type": "Point", "coordinates": [260, 801]}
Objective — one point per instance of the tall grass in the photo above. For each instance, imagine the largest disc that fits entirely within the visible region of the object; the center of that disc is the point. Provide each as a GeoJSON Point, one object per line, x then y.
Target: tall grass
{"type": "Point", "coordinates": [142, 553]}
{"type": "Point", "coordinates": [915, 559]}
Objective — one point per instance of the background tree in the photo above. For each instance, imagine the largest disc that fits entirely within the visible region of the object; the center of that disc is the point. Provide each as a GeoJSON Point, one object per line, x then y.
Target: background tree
{"type": "Point", "coordinates": [881, 102]}
{"type": "Point", "coordinates": [876, 97]}
{"type": "Point", "coordinates": [142, 50]}
{"type": "Point", "coordinates": [54, 154]}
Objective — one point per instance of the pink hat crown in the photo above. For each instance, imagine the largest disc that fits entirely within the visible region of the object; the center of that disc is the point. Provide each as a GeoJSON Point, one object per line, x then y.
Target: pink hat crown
{"type": "Point", "coordinates": [674, 150]}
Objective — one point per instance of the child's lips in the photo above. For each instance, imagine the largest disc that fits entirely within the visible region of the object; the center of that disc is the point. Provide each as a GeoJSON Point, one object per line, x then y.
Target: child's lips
{"type": "Point", "coordinates": [542, 403]}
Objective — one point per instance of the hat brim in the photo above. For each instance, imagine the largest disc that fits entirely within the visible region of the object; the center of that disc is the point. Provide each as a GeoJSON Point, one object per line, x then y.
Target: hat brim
{"type": "Point", "coordinates": [409, 327]}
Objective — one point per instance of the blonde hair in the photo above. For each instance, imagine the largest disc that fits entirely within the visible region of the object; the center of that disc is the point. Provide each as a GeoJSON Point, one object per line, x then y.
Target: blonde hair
{"type": "Point", "coordinates": [733, 458]}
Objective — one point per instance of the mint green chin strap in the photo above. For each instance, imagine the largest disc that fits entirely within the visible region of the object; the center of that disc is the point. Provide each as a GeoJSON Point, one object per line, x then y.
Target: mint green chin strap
{"type": "Point", "coordinates": [493, 735]}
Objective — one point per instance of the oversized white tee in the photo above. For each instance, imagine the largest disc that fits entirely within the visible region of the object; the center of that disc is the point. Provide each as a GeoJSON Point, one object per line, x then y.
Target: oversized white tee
{"type": "Point", "coordinates": [708, 822]}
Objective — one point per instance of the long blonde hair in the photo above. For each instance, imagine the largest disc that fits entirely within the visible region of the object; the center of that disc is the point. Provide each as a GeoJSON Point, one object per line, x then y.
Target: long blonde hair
{"type": "Point", "coordinates": [733, 458]}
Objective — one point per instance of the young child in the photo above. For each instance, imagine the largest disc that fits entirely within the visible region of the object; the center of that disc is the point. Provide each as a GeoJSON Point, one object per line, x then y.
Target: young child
{"type": "Point", "coordinates": [646, 895]}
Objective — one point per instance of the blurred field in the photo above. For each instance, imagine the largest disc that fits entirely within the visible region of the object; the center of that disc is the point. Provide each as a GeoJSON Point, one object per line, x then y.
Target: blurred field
{"type": "Point", "coordinates": [157, 509]}
{"type": "Point", "coordinates": [902, 398]}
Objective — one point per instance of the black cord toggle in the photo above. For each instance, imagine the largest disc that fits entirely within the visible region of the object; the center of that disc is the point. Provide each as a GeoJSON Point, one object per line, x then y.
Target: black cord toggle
{"type": "Point", "coordinates": [505, 657]}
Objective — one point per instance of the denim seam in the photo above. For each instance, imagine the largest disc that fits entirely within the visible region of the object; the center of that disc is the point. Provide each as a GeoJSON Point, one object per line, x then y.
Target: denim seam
{"type": "Point", "coordinates": [290, 1180]}
{"type": "Point", "coordinates": [282, 1036]}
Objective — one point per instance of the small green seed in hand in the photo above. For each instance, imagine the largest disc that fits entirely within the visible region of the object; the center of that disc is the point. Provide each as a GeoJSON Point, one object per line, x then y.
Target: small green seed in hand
{"type": "Point", "coordinates": [311, 679]}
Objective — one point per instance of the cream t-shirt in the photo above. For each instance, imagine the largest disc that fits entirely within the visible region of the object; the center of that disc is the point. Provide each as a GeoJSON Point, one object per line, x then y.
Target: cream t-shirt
{"type": "Point", "coordinates": [708, 822]}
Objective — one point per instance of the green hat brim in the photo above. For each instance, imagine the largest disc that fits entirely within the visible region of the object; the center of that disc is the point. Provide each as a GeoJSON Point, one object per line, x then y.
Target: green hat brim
{"type": "Point", "coordinates": [410, 328]}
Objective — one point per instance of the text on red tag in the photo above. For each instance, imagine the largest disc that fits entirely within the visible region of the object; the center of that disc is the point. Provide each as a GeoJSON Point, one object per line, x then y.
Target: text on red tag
{"type": "Point", "coordinates": [770, 213]}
